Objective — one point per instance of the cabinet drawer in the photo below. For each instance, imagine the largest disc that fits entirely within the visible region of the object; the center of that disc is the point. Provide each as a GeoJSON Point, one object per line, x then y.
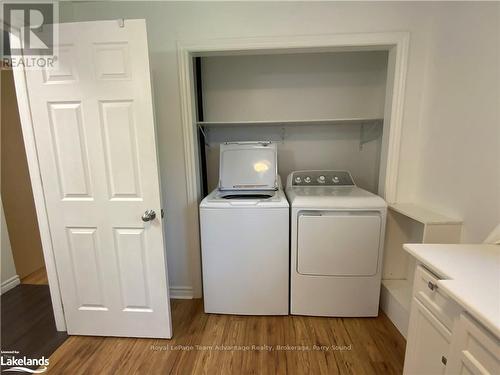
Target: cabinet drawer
{"type": "Point", "coordinates": [426, 290]}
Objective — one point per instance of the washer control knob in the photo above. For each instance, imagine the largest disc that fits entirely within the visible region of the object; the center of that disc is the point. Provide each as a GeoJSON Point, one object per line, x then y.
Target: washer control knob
{"type": "Point", "coordinates": [298, 179]}
{"type": "Point", "coordinates": [307, 179]}
{"type": "Point", "coordinates": [335, 180]}
{"type": "Point", "coordinates": [321, 179]}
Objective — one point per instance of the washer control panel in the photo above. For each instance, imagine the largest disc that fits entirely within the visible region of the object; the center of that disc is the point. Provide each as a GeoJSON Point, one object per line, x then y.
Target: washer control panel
{"type": "Point", "coordinates": [322, 178]}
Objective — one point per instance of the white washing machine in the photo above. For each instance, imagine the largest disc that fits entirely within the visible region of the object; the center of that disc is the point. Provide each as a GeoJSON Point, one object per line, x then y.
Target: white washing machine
{"type": "Point", "coordinates": [337, 239]}
{"type": "Point", "coordinates": [245, 234]}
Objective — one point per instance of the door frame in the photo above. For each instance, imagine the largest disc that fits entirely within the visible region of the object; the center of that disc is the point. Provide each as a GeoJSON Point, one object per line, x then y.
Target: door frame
{"type": "Point", "coordinates": [23, 105]}
{"type": "Point", "coordinates": [397, 45]}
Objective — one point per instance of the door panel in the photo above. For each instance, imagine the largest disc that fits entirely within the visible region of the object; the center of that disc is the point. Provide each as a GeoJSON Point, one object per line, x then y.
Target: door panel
{"type": "Point", "coordinates": [84, 253]}
{"type": "Point", "coordinates": [338, 243]}
{"type": "Point", "coordinates": [94, 131]}
{"type": "Point", "coordinates": [112, 61]}
{"type": "Point", "coordinates": [64, 72]}
{"type": "Point", "coordinates": [120, 143]}
{"type": "Point", "coordinates": [70, 149]}
{"type": "Point", "coordinates": [132, 264]}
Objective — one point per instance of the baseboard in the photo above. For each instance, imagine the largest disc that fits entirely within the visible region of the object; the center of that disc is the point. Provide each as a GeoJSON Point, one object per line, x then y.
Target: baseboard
{"type": "Point", "coordinates": [10, 283]}
{"type": "Point", "coordinates": [181, 292]}
{"type": "Point", "coordinates": [395, 311]}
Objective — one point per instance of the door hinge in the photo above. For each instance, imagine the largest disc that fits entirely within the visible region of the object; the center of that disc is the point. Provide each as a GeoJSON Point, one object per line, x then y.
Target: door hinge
{"type": "Point", "coordinates": [162, 213]}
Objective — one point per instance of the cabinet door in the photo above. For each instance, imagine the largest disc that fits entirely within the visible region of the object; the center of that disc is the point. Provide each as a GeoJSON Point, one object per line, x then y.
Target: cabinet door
{"type": "Point", "coordinates": [474, 350]}
{"type": "Point", "coordinates": [428, 342]}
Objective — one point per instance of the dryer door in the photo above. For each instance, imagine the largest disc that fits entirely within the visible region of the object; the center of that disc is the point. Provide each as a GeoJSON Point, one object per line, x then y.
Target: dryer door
{"type": "Point", "coordinates": [338, 243]}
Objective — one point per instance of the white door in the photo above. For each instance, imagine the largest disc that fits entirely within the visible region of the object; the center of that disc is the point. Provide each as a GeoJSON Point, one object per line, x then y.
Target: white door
{"type": "Point", "coordinates": [94, 131]}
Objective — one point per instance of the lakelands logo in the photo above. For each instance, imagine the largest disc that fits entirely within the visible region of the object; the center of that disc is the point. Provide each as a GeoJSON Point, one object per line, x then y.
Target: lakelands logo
{"type": "Point", "coordinates": [30, 34]}
{"type": "Point", "coordinates": [20, 364]}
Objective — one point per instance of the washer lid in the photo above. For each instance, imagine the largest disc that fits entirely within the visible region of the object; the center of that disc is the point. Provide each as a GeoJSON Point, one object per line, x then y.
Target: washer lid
{"type": "Point", "coordinates": [248, 166]}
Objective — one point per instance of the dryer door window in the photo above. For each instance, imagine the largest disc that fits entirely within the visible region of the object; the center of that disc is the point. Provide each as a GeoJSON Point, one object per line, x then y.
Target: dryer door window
{"type": "Point", "coordinates": [338, 243]}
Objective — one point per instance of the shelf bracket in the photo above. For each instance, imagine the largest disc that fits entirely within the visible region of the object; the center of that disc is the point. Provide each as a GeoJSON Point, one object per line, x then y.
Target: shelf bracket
{"type": "Point", "coordinates": [369, 131]}
{"type": "Point", "coordinates": [205, 136]}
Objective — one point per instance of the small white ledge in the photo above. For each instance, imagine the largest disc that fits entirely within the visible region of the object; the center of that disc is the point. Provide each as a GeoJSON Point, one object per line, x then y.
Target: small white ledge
{"type": "Point", "coordinates": [422, 214]}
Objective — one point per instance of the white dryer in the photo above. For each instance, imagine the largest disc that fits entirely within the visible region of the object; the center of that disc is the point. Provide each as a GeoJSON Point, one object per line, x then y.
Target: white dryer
{"type": "Point", "coordinates": [337, 239]}
{"type": "Point", "coordinates": [245, 234]}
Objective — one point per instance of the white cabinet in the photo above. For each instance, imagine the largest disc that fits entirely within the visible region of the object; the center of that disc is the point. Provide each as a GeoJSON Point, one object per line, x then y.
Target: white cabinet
{"type": "Point", "coordinates": [409, 223]}
{"type": "Point", "coordinates": [474, 349]}
{"type": "Point", "coordinates": [443, 338]}
{"type": "Point", "coordinates": [432, 318]}
{"type": "Point", "coordinates": [428, 342]}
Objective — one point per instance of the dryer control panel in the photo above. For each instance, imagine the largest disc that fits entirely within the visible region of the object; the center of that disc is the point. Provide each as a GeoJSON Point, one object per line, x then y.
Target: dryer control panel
{"type": "Point", "coordinates": [322, 178]}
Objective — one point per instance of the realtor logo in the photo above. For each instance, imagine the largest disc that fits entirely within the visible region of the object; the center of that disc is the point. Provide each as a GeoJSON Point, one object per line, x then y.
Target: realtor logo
{"type": "Point", "coordinates": [27, 21]}
{"type": "Point", "coordinates": [10, 361]}
{"type": "Point", "coordinates": [34, 34]}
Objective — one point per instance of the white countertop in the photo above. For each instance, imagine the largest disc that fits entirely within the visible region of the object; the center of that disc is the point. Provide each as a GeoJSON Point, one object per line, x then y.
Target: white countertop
{"type": "Point", "coordinates": [471, 276]}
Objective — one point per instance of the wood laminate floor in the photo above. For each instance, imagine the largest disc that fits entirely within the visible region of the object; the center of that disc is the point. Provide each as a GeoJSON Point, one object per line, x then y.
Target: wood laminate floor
{"type": "Point", "coordinates": [311, 346]}
{"type": "Point", "coordinates": [39, 277]}
{"type": "Point", "coordinates": [28, 324]}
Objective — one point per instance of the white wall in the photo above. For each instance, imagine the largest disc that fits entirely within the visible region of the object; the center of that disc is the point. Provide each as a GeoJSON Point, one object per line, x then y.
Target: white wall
{"type": "Point", "coordinates": [170, 22]}
{"type": "Point", "coordinates": [299, 87]}
{"type": "Point", "coordinates": [307, 147]}
{"type": "Point", "coordinates": [294, 86]}
{"type": "Point", "coordinates": [8, 268]}
{"type": "Point", "coordinates": [459, 170]}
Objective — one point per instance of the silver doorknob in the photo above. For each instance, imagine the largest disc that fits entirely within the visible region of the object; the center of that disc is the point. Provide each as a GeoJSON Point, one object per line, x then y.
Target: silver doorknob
{"type": "Point", "coordinates": [148, 215]}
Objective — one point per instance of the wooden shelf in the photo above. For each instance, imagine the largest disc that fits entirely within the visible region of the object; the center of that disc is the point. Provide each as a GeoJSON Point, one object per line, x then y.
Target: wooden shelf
{"type": "Point", "coordinates": [290, 122]}
{"type": "Point", "coordinates": [422, 214]}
